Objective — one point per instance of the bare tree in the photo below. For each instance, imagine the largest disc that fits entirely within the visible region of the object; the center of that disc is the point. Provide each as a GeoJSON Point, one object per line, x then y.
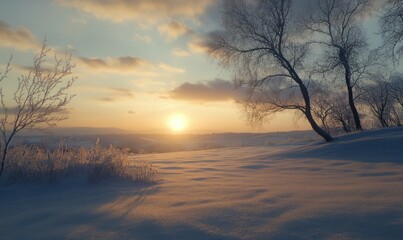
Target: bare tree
{"type": "Point", "coordinates": [322, 106]}
{"type": "Point", "coordinates": [331, 109]}
{"type": "Point", "coordinates": [397, 94]}
{"type": "Point", "coordinates": [261, 43]}
{"type": "Point", "coordinates": [378, 97]}
{"type": "Point", "coordinates": [391, 25]}
{"type": "Point", "coordinates": [340, 114]}
{"type": "Point", "coordinates": [397, 88]}
{"type": "Point", "coordinates": [396, 116]}
{"type": "Point", "coordinates": [39, 99]}
{"type": "Point", "coordinates": [336, 24]}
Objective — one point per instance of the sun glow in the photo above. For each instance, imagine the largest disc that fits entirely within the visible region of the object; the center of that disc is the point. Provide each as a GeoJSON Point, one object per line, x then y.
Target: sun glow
{"type": "Point", "coordinates": [177, 123]}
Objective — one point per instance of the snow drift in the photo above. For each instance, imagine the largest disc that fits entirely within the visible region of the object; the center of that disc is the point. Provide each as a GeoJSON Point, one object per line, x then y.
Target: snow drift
{"type": "Point", "coordinates": [382, 145]}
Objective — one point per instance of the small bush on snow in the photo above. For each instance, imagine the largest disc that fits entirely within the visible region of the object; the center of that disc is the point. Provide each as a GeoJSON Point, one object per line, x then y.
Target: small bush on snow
{"type": "Point", "coordinates": [35, 164]}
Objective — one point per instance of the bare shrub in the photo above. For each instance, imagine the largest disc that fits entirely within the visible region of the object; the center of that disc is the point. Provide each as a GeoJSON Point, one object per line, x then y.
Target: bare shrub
{"type": "Point", "coordinates": [38, 165]}
{"type": "Point", "coordinates": [114, 163]}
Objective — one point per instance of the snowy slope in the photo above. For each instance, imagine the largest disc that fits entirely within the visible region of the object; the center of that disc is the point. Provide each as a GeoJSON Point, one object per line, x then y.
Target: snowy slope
{"type": "Point", "coordinates": [349, 189]}
{"type": "Point", "coordinates": [382, 145]}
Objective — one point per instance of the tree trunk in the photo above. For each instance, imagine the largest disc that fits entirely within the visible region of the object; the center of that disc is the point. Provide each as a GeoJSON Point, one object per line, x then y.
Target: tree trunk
{"type": "Point", "coordinates": [4, 154]}
{"type": "Point", "coordinates": [345, 126]}
{"type": "Point", "coordinates": [384, 123]}
{"type": "Point", "coordinates": [320, 131]}
{"type": "Point", "coordinates": [308, 114]}
{"type": "Point", "coordinates": [347, 76]}
{"type": "Point", "coordinates": [354, 111]}
{"type": "Point", "coordinates": [326, 136]}
{"type": "Point", "coordinates": [305, 94]}
{"type": "Point", "coordinates": [3, 160]}
{"type": "Point", "coordinates": [326, 128]}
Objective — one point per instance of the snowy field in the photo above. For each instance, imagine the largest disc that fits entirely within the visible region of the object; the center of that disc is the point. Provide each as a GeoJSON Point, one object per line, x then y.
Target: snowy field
{"type": "Point", "coordinates": [161, 143]}
{"type": "Point", "coordinates": [349, 189]}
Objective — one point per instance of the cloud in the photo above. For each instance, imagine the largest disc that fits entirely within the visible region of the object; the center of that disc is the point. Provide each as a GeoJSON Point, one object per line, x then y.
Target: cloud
{"type": "Point", "coordinates": [116, 94]}
{"type": "Point", "coordinates": [143, 38]}
{"type": "Point", "coordinates": [128, 65]}
{"type": "Point", "coordinates": [211, 91]}
{"type": "Point", "coordinates": [171, 69]}
{"type": "Point", "coordinates": [180, 52]}
{"type": "Point", "coordinates": [19, 38]}
{"type": "Point", "coordinates": [47, 70]}
{"type": "Point", "coordinates": [140, 10]}
{"type": "Point", "coordinates": [95, 63]}
{"type": "Point", "coordinates": [122, 92]}
{"type": "Point", "coordinates": [121, 64]}
{"type": "Point", "coordinates": [173, 30]}
{"type": "Point", "coordinates": [108, 99]}
{"type": "Point", "coordinates": [198, 44]}
{"type": "Point", "coordinates": [71, 48]}
{"type": "Point", "coordinates": [81, 21]}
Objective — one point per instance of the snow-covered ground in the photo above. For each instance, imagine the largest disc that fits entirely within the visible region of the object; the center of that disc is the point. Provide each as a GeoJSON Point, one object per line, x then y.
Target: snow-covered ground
{"type": "Point", "coordinates": [349, 189]}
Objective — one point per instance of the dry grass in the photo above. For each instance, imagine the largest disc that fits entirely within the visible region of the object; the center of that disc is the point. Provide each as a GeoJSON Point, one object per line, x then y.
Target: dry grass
{"type": "Point", "coordinates": [35, 164]}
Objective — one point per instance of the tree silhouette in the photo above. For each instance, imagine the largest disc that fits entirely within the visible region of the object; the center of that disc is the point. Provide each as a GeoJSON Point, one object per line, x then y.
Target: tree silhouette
{"type": "Point", "coordinates": [261, 43]}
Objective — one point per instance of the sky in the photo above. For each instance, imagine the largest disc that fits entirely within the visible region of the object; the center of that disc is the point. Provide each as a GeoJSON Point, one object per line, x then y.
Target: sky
{"type": "Point", "coordinates": [140, 64]}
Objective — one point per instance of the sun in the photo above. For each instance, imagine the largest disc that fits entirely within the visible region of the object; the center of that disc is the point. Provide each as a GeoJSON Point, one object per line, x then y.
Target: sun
{"type": "Point", "coordinates": [177, 122]}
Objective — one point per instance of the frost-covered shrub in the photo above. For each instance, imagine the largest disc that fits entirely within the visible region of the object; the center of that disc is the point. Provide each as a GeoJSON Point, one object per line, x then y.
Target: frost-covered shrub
{"type": "Point", "coordinates": [36, 164]}
{"type": "Point", "coordinates": [113, 163]}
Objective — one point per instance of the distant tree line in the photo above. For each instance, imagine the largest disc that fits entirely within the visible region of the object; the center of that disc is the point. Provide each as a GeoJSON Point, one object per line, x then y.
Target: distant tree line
{"type": "Point", "coordinates": [315, 61]}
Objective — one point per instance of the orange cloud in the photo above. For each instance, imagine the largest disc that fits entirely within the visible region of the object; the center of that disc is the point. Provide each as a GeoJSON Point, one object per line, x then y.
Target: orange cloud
{"type": "Point", "coordinates": [140, 10]}
{"type": "Point", "coordinates": [198, 44]}
{"type": "Point", "coordinates": [116, 94]}
{"type": "Point", "coordinates": [173, 30]}
{"type": "Point", "coordinates": [123, 65]}
{"type": "Point", "coordinates": [19, 38]}
{"type": "Point", "coordinates": [109, 64]}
